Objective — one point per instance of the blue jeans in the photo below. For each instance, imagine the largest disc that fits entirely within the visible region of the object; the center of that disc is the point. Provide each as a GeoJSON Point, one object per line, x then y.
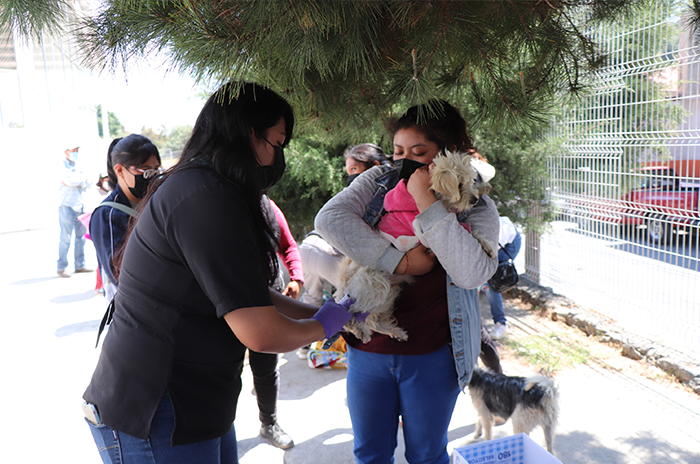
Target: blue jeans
{"type": "Point", "coordinates": [495, 298]}
{"type": "Point", "coordinates": [119, 448]}
{"type": "Point", "coordinates": [422, 389]}
{"type": "Point", "coordinates": [68, 220]}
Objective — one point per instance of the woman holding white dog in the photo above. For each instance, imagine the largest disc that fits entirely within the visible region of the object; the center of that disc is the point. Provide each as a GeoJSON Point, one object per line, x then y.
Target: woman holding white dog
{"type": "Point", "coordinates": [419, 379]}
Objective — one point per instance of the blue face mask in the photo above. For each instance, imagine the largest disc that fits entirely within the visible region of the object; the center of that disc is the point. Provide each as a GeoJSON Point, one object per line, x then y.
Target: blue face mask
{"type": "Point", "coordinates": [73, 156]}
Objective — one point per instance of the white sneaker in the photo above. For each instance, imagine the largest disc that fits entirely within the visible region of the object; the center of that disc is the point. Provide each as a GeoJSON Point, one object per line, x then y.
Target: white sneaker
{"type": "Point", "coordinates": [303, 352]}
{"type": "Point", "coordinates": [499, 331]}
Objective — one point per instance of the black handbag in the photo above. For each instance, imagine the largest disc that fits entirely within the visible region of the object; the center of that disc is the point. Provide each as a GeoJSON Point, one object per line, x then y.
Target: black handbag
{"type": "Point", "coordinates": [506, 276]}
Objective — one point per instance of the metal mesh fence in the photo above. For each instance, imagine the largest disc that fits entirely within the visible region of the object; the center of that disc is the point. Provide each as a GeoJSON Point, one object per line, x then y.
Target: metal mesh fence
{"type": "Point", "coordinates": [626, 184]}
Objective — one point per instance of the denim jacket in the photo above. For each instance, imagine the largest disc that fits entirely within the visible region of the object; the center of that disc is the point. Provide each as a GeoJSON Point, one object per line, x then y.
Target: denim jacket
{"type": "Point", "coordinates": [440, 229]}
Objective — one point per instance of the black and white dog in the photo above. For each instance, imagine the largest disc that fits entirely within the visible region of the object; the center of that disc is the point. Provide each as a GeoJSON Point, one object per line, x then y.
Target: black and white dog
{"type": "Point", "coordinates": [528, 402]}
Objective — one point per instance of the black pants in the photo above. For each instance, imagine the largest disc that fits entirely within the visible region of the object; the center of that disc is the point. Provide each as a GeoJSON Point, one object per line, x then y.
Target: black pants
{"type": "Point", "coordinates": [489, 354]}
{"type": "Point", "coordinates": [266, 379]}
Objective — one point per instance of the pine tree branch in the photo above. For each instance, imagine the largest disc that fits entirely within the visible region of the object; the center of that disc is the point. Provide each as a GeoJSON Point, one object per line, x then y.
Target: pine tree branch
{"type": "Point", "coordinates": [29, 18]}
{"type": "Point", "coordinates": [521, 53]}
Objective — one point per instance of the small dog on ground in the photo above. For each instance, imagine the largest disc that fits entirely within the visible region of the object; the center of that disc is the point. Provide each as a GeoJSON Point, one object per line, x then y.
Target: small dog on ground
{"type": "Point", "coordinates": [528, 402]}
{"type": "Point", "coordinates": [458, 186]}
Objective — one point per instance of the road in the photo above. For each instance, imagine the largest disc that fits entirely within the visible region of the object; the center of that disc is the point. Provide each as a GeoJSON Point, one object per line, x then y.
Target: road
{"type": "Point", "coordinates": [681, 250]}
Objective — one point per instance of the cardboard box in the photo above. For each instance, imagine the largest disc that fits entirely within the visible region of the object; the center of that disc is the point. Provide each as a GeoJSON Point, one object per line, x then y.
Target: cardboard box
{"type": "Point", "coordinates": [518, 449]}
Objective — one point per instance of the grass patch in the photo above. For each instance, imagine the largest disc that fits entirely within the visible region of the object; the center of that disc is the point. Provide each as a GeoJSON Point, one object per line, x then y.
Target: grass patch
{"type": "Point", "coordinates": [549, 353]}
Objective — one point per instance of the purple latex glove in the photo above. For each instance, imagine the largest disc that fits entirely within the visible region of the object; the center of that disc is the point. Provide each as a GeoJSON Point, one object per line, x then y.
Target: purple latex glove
{"type": "Point", "coordinates": [333, 316]}
{"type": "Point", "coordinates": [347, 301]}
{"type": "Point", "coordinates": [360, 316]}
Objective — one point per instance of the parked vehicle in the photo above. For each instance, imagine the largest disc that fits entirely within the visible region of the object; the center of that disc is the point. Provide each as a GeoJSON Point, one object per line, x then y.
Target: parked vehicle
{"type": "Point", "coordinates": [664, 202]}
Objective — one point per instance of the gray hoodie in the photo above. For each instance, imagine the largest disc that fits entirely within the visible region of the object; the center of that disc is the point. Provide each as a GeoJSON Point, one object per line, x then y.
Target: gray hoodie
{"type": "Point", "coordinates": [460, 254]}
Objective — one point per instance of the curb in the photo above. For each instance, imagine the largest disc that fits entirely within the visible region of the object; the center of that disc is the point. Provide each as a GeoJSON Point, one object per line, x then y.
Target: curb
{"type": "Point", "coordinates": [683, 368]}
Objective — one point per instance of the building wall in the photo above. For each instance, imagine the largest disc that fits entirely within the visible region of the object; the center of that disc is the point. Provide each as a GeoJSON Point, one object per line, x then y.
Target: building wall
{"type": "Point", "coordinates": [48, 103]}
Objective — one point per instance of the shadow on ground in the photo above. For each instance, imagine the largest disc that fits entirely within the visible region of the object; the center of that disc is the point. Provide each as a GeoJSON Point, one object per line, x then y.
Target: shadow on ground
{"type": "Point", "coordinates": [78, 327]}
{"type": "Point", "coordinates": [35, 281]}
{"type": "Point", "coordinates": [289, 370]}
{"type": "Point", "coordinates": [324, 447]}
{"type": "Point", "coordinates": [74, 297]}
{"type": "Point", "coordinates": [464, 434]}
{"type": "Point", "coordinates": [583, 447]}
{"type": "Point", "coordinates": [651, 449]}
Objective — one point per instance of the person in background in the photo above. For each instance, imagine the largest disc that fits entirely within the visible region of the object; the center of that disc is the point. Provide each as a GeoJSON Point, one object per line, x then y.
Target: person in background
{"type": "Point", "coordinates": [417, 380]}
{"type": "Point", "coordinates": [360, 158]}
{"type": "Point", "coordinates": [320, 259]}
{"type": "Point", "coordinates": [103, 184]}
{"type": "Point", "coordinates": [266, 374]}
{"type": "Point", "coordinates": [132, 162]}
{"type": "Point", "coordinates": [288, 251]}
{"type": "Point", "coordinates": [194, 292]}
{"type": "Point", "coordinates": [508, 238]}
{"type": "Point", "coordinates": [103, 189]}
{"type": "Point", "coordinates": [70, 206]}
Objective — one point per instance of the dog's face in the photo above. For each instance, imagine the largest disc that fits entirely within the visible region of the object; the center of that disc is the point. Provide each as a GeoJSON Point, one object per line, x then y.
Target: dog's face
{"type": "Point", "coordinates": [453, 180]}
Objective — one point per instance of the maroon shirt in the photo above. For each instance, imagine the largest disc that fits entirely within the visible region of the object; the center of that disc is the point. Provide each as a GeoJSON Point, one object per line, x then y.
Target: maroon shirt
{"type": "Point", "coordinates": [421, 310]}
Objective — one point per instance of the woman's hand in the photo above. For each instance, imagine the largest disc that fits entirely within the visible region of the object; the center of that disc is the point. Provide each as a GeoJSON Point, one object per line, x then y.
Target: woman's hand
{"type": "Point", "coordinates": [417, 261]}
{"type": "Point", "coordinates": [292, 290]}
{"type": "Point", "coordinates": [333, 316]}
{"type": "Point", "coordinates": [418, 187]}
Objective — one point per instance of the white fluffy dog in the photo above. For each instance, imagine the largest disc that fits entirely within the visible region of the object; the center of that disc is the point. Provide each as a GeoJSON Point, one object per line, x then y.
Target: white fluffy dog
{"type": "Point", "coordinates": [453, 181]}
{"type": "Point", "coordinates": [457, 185]}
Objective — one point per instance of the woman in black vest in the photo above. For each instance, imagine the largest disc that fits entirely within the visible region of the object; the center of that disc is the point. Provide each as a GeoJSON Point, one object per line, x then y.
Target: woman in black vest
{"type": "Point", "coordinates": [193, 292]}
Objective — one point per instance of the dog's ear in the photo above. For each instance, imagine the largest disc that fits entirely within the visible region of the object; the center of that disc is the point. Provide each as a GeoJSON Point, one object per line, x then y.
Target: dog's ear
{"type": "Point", "coordinates": [444, 179]}
{"type": "Point", "coordinates": [450, 186]}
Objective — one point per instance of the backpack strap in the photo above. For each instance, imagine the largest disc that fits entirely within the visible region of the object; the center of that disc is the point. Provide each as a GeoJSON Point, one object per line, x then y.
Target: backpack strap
{"type": "Point", "coordinates": [106, 320]}
{"type": "Point", "coordinates": [123, 208]}
{"type": "Point", "coordinates": [375, 208]}
{"type": "Point", "coordinates": [109, 313]}
{"type": "Point", "coordinates": [505, 251]}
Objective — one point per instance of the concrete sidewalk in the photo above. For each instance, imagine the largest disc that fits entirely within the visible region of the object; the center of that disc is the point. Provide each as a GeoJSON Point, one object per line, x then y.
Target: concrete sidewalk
{"type": "Point", "coordinates": [609, 414]}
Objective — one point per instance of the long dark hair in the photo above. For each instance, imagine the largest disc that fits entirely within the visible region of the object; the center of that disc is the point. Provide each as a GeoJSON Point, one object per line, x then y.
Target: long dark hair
{"type": "Point", "coordinates": [132, 150]}
{"type": "Point", "coordinates": [440, 122]}
{"type": "Point", "coordinates": [222, 138]}
{"type": "Point", "coordinates": [367, 154]}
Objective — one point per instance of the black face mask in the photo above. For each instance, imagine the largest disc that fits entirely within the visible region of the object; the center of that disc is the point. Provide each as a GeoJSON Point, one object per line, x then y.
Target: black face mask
{"type": "Point", "coordinates": [140, 186]}
{"type": "Point", "coordinates": [406, 167]}
{"type": "Point", "coordinates": [272, 174]}
{"type": "Point", "coordinates": [352, 177]}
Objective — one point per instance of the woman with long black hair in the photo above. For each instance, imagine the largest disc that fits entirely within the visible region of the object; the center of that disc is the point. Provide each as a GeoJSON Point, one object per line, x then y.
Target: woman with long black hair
{"type": "Point", "coordinates": [193, 292]}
